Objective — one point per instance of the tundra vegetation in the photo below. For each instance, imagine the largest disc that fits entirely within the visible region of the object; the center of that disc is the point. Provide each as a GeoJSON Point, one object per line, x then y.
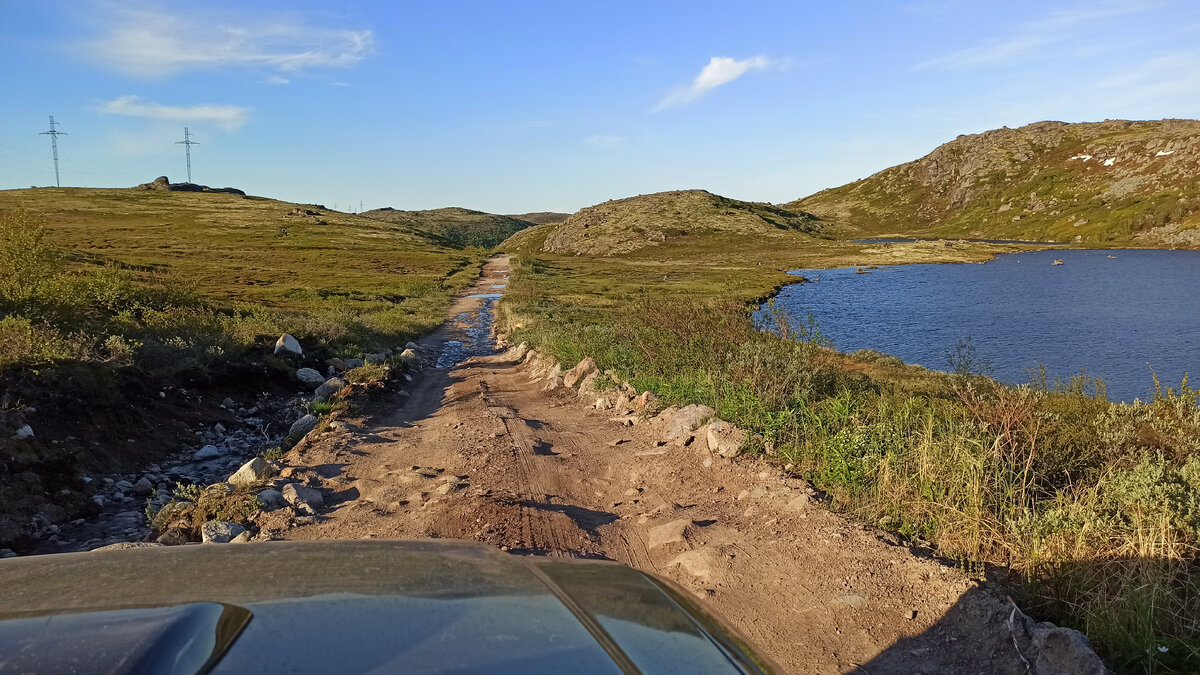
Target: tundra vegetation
{"type": "Point", "coordinates": [1089, 511]}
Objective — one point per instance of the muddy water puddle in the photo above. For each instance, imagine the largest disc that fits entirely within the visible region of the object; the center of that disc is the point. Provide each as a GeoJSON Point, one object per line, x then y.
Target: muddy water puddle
{"type": "Point", "coordinates": [476, 327]}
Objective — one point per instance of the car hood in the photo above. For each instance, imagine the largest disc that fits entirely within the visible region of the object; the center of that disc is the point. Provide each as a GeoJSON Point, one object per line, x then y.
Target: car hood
{"type": "Point", "coordinates": [351, 606]}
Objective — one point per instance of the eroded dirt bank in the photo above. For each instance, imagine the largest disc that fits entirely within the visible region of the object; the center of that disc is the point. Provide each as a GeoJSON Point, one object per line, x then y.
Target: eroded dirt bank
{"type": "Point", "coordinates": [482, 451]}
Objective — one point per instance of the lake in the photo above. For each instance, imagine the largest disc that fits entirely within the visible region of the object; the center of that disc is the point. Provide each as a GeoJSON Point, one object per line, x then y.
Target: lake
{"type": "Point", "coordinates": [1108, 317]}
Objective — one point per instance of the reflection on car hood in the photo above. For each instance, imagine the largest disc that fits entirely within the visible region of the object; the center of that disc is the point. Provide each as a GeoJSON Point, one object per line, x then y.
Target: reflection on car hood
{"type": "Point", "coordinates": [350, 606]}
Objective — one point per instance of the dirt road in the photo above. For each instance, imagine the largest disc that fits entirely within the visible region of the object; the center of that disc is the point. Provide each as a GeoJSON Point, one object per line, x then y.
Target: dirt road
{"type": "Point", "coordinates": [479, 451]}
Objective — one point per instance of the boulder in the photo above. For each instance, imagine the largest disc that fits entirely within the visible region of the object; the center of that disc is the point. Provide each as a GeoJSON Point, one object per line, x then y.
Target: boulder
{"type": "Point", "coordinates": [581, 369]}
{"type": "Point", "coordinates": [1062, 651]}
{"type": "Point", "coordinates": [302, 426]}
{"type": "Point", "coordinates": [351, 364]}
{"type": "Point", "coordinates": [553, 383]}
{"type": "Point", "coordinates": [337, 364]}
{"type": "Point", "coordinates": [330, 387]}
{"type": "Point", "coordinates": [253, 472]}
{"type": "Point", "coordinates": [243, 538]}
{"type": "Point", "coordinates": [517, 353]}
{"type": "Point", "coordinates": [220, 531]}
{"type": "Point", "coordinates": [24, 433]}
{"type": "Point", "coordinates": [683, 423]}
{"type": "Point", "coordinates": [725, 439]}
{"type": "Point", "coordinates": [304, 499]}
{"type": "Point", "coordinates": [228, 404]}
{"type": "Point", "coordinates": [287, 344]}
{"type": "Point", "coordinates": [413, 346]}
{"type": "Point", "coordinates": [272, 499]}
{"type": "Point", "coordinates": [310, 378]}
{"type": "Point", "coordinates": [174, 536]}
{"type": "Point", "coordinates": [375, 359]}
{"type": "Point", "coordinates": [143, 488]}
{"type": "Point", "coordinates": [410, 357]}
{"type": "Point", "coordinates": [587, 386]}
{"type": "Point", "coordinates": [207, 452]}
{"type": "Point", "coordinates": [669, 533]}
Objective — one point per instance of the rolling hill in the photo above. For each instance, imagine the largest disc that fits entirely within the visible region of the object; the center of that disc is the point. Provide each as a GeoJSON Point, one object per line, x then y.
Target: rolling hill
{"type": "Point", "coordinates": [1092, 183]}
{"type": "Point", "coordinates": [458, 226]}
{"type": "Point", "coordinates": [542, 217]}
{"type": "Point", "coordinates": [681, 217]}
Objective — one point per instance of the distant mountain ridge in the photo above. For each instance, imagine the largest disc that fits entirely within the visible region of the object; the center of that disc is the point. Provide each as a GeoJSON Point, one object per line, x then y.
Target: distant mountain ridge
{"type": "Point", "coordinates": [1099, 182]}
{"type": "Point", "coordinates": [541, 217]}
{"type": "Point", "coordinates": [459, 226]}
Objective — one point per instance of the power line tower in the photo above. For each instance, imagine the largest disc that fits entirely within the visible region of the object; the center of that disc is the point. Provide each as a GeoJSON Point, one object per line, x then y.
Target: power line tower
{"type": "Point", "coordinates": [187, 144]}
{"type": "Point", "coordinates": [54, 133]}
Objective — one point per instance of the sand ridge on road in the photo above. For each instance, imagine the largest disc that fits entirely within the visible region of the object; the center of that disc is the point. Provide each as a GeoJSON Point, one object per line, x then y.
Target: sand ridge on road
{"type": "Point", "coordinates": [481, 452]}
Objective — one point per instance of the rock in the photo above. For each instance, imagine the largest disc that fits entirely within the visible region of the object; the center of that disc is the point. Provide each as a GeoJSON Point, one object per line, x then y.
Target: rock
{"type": "Point", "coordinates": [207, 452]}
{"type": "Point", "coordinates": [7, 553]}
{"type": "Point", "coordinates": [1062, 651]}
{"type": "Point", "coordinates": [272, 499]}
{"type": "Point", "coordinates": [855, 601]}
{"type": "Point", "coordinates": [303, 498]}
{"type": "Point", "coordinates": [144, 487]}
{"type": "Point", "coordinates": [351, 364]}
{"type": "Point", "coordinates": [646, 400]}
{"type": "Point", "coordinates": [583, 368]}
{"type": "Point", "coordinates": [174, 536]}
{"type": "Point", "coordinates": [587, 386]}
{"type": "Point", "coordinates": [24, 433]}
{"type": "Point", "coordinates": [517, 353]}
{"type": "Point", "coordinates": [123, 545]}
{"type": "Point", "coordinates": [228, 404]}
{"type": "Point", "coordinates": [669, 533]}
{"type": "Point", "coordinates": [700, 563]}
{"type": "Point", "coordinates": [410, 357]}
{"type": "Point", "coordinates": [288, 345]}
{"type": "Point", "coordinates": [123, 485]}
{"type": "Point", "coordinates": [337, 364]}
{"type": "Point", "coordinates": [243, 538]}
{"type": "Point", "coordinates": [220, 531]}
{"type": "Point", "coordinates": [413, 346]}
{"type": "Point", "coordinates": [310, 377]}
{"type": "Point", "coordinates": [725, 439]}
{"type": "Point", "coordinates": [684, 422]}
{"type": "Point", "coordinates": [798, 503]}
{"type": "Point", "coordinates": [302, 426]}
{"type": "Point", "coordinates": [375, 359]}
{"type": "Point", "coordinates": [330, 387]}
{"type": "Point", "coordinates": [601, 403]}
{"type": "Point", "coordinates": [253, 472]}
{"type": "Point", "coordinates": [553, 383]}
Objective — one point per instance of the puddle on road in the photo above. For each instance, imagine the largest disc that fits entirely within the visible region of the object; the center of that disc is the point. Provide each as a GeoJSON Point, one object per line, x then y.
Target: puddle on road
{"type": "Point", "coordinates": [478, 328]}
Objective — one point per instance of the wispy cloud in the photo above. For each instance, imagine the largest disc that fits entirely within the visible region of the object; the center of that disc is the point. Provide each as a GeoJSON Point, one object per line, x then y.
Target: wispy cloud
{"type": "Point", "coordinates": [152, 41]}
{"type": "Point", "coordinates": [1034, 37]}
{"type": "Point", "coordinates": [1170, 81]}
{"type": "Point", "coordinates": [720, 70]}
{"type": "Point", "coordinates": [228, 117]}
{"type": "Point", "coordinates": [605, 141]}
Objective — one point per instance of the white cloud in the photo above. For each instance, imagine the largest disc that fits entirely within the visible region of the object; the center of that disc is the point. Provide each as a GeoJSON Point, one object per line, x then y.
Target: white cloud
{"type": "Point", "coordinates": [1034, 37]}
{"type": "Point", "coordinates": [605, 141]}
{"type": "Point", "coordinates": [228, 117]}
{"type": "Point", "coordinates": [720, 70]}
{"type": "Point", "coordinates": [276, 79]}
{"type": "Point", "coordinates": [156, 42]}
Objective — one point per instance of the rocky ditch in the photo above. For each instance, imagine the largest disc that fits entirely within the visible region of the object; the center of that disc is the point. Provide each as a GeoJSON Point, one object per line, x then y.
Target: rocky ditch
{"type": "Point", "coordinates": [233, 468]}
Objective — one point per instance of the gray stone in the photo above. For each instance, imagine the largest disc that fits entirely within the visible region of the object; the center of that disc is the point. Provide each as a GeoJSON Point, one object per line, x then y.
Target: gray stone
{"type": "Point", "coordinates": [302, 426]}
{"type": "Point", "coordinates": [288, 345]}
{"type": "Point", "coordinates": [683, 423]}
{"type": "Point", "coordinates": [375, 359]}
{"type": "Point", "coordinates": [725, 439]}
{"type": "Point", "coordinates": [328, 388]}
{"type": "Point", "coordinates": [220, 531]}
{"type": "Point", "coordinates": [219, 428]}
{"type": "Point", "coordinates": [123, 485]}
{"type": "Point", "coordinates": [143, 488]}
{"type": "Point", "coordinates": [7, 553]}
{"type": "Point", "coordinates": [253, 472]}
{"type": "Point", "coordinates": [581, 369]}
{"type": "Point", "coordinates": [1062, 651]}
{"type": "Point", "coordinates": [413, 346]}
{"type": "Point", "coordinates": [207, 452]}
{"type": "Point", "coordinates": [243, 538]}
{"type": "Point", "coordinates": [303, 498]}
{"type": "Point", "coordinates": [351, 364]}
{"type": "Point", "coordinates": [272, 499]}
{"type": "Point", "coordinates": [24, 433]}
{"type": "Point", "coordinates": [310, 377]}
{"type": "Point", "coordinates": [410, 357]}
{"type": "Point", "coordinates": [228, 404]}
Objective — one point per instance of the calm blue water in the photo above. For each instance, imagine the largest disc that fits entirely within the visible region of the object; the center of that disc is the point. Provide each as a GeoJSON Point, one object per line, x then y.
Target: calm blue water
{"type": "Point", "coordinates": [1107, 316]}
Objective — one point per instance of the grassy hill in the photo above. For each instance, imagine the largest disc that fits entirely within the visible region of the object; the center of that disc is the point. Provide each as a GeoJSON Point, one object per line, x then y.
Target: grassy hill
{"type": "Point", "coordinates": [542, 217]}
{"type": "Point", "coordinates": [1094, 183]}
{"type": "Point", "coordinates": [683, 218]}
{"type": "Point", "coordinates": [458, 226]}
{"type": "Point", "coordinates": [127, 315]}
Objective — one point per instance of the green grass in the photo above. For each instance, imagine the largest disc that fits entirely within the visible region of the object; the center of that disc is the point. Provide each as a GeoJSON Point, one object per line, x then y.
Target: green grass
{"type": "Point", "coordinates": [1088, 511]}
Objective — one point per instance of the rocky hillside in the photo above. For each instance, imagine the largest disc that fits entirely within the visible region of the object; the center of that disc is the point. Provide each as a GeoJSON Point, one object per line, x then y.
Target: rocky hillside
{"type": "Point", "coordinates": [461, 227]}
{"type": "Point", "coordinates": [625, 225]}
{"type": "Point", "coordinates": [1091, 183]}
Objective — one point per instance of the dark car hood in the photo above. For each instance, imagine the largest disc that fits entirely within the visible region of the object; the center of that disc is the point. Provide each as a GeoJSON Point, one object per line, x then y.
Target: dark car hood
{"type": "Point", "coordinates": [350, 606]}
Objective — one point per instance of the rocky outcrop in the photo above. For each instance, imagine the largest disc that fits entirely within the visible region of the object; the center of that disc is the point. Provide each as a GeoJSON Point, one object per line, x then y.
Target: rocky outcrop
{"type": "Point", "coordinates": [163, 184]}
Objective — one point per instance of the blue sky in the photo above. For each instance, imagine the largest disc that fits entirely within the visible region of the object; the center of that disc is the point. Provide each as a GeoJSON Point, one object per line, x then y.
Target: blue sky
{"type": "Point", "coordinates": [521, 106]}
